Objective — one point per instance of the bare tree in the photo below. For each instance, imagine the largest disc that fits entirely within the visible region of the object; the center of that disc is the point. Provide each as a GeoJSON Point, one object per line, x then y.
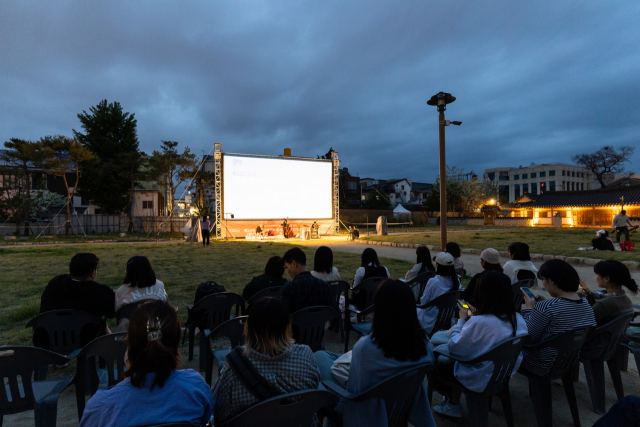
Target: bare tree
{"type": "Point", "coordinates": [605, 161]}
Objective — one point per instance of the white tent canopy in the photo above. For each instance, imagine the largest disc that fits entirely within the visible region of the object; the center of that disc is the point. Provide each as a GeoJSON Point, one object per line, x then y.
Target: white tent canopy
{"type": "Point", "coordinates": [400, 210]}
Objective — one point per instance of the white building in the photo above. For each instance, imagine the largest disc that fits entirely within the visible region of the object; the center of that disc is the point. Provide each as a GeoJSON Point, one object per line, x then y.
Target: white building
{"type": "Point", "coordinates": [536, 179]}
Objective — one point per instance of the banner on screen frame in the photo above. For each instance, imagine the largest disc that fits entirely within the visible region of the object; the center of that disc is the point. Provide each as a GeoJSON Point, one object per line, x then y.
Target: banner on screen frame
{"type": "Point", "coordinates": [239, 229]}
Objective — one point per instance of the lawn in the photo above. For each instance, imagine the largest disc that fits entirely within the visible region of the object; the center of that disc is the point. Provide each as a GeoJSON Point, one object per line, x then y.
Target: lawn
{"type": "Point", "coordinates": [25, 271]}
{"type": "Point", "coordinates": [540, 240]}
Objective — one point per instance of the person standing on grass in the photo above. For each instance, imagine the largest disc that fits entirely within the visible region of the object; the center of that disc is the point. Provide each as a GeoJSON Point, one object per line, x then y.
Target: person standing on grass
{"type": "Point", "coordinates": [620, 225]}
{"type": "Point", "coordinates": [205, 226]}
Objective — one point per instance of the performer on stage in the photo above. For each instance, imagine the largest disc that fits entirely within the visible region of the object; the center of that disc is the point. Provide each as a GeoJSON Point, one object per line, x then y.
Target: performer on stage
{"type": "Point", "coordinates": [259, 229]}
{"type": "Point", "coordinates": [285, 228]}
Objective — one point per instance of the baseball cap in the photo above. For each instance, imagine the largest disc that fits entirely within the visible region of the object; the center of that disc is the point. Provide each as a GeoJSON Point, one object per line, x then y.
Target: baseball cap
{"type": "Point", "coordinates": [444, 258]}
{"type": "Point", "coordinates": [491, 256]}
{"type": "Point", "coordinates": [601, 232]}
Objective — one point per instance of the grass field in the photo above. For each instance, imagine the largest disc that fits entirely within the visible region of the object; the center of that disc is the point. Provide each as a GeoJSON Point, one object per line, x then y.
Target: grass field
{"type": "Point", "coordinates": [540, 240]}
{"type": "Point", "coordinates": [25, 271]}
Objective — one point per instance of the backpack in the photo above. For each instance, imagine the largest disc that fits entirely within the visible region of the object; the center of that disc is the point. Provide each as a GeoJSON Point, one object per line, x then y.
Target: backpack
{"type": "Point", "coordinates": [207, 288]}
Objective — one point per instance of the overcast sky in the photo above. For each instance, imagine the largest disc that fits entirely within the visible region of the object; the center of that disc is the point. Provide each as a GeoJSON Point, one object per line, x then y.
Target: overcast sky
{"type": "Point", "coordinates": [535, 81]}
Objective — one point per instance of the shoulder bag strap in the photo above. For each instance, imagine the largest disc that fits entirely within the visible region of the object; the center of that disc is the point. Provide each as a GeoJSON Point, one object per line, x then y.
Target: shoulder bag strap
{"type": "Point", "coordinates": [244, 369]}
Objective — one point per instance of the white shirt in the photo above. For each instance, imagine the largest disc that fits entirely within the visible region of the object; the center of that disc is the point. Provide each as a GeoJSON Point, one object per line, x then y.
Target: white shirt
{"type": "Point", "coordinates": [327, 277]}
{"type": "Point", "coordinates": [620, 220]}
{"type": "Point", "coordinates": [512, 267]}
{"type": "Point", "coordinates": [360, 275]}
{"type": "Point", "coordinates": [413, 273]}
{"type": "Point", "coordinates": [126, 294]}
{"type": "Point", "coordinates": [435, 287]}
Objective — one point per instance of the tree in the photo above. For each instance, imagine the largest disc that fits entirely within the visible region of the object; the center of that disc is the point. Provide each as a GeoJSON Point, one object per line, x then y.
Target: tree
{"type": "Point", "coordinates": [174, 168]}
{"type": "Point", "coordinates": [19, 154]}
{"type": "Point", "coordinates": [111, 135]}
{"type": "Point", "coordinates": [376, 200]}
{"type": "Point", "coordinates": [605, 161]}
{"type": "Point", "coordinates": [133, 169]}
{"type": "Point", "coordinates": [463, 196]}
{"type": "Point", "coordinates": [62, 156]}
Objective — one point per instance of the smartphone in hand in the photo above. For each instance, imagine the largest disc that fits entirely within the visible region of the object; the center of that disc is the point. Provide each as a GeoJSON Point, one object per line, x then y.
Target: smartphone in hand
{"type": "Point", "coordinates": [463, 304]}
{"type": "Point", "coordinates": [529, 293]}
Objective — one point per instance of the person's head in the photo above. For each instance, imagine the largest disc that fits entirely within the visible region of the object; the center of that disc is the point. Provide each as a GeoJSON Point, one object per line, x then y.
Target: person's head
{"type": "Point", "coordinates": [423, 256]}
{"type": "Point", "coordinates": [490, 260]}
{"type": "Point", "coordinates": [601, 233]}
{"type": "Point", "coordinates": [519, 251]}
{"type": "Point", "coordinates": [204, 218]}
{"type": "Point", "coordinates": [84, 266]}
{"type": "Point", "coordinates": [558, 276]}
{"type": "Point", "coordinates": [369, 256]}
{"type": "Point", "coordinates": [274, 267]}
{"type": "Point", "coordinates": [323, 260]}
{"type": "Point", "coordinates": [139, 273]}
{"type": "Point", "coordinates": [453, 248]}
{"type": "Point", "coordinates": [623, 212]}
{"type": "Point", "coordinates": [268, 327]}
{"type": "Point", "coordinates": [614, 273]}
{"type": "Point", "coordinates": [153, 339]}
{"type": "Point", "coordinates": [295, 262]}
{"type": "Point", "coordinates": [493, 295]}
{"type": "Point", "coordinates": [396, 329]}
{"type": "Point", "coordinates": [445, 268]}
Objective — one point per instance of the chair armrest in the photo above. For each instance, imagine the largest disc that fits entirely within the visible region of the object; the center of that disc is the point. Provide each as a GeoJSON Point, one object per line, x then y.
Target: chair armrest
{"type": "Point", "coordinates": [73, 354]}
{"type": "Point", "coordinates": [636, 324]}
{"type": "Point", "coordinates": [334, 388]}
{"type": "Point", "coordinates": [354, 311]}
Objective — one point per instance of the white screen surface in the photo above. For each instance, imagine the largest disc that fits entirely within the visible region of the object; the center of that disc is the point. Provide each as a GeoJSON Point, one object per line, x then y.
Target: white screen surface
{"type": "Point", "coordinates": [273, 188]}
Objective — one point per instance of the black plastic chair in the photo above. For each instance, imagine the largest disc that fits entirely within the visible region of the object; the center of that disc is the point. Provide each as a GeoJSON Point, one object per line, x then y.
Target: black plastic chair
{"type": "Point", "coordinates": [173, 425]}
{"type": "Point", "coordinates": [602, 346]}
{"type": "Point", "coordinates": [127, 310]}
{"type": "Point", "coordinates": [109, 350]}
{"type": "Point", "coordinates": [397, 393]}
{"type": "Point", "coordinates": [626, 346]}
{"type": "Point", "coordinates": [527, 275]}
{"type": "Point", "coordinates": [338, 288]}
{"type": "Point", "coordinates": [367, 288]}
{"type": "Point", "coordinates": [418, 283]}
{"type": "Point", "coordinates": [504, 356]}
{"type": "Point", "coordinates": [24, 395]}
{"type": "Point", "coordinates": [362, 327]}
{"type": "Point", "coordinates": [233, 330]}
{"type": "Point", "coordinates": [208, 313]}
{"type": "Point", "coordinates": [518, 298]}
{"type": "Point", "coordinates": [308, 325]}
{"type": "Point", "coordinates": [291, 409]}
{"type": "Point", "coordinates": [273, 291]}
{"type": "Point", "coordinates": [447, 304]}
{"type": "Point", "coordinates": [567, 345]}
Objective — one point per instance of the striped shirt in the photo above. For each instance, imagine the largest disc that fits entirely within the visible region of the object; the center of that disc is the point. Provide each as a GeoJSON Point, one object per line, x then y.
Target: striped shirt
{"type": "Point", "coordinates": [547, 319]}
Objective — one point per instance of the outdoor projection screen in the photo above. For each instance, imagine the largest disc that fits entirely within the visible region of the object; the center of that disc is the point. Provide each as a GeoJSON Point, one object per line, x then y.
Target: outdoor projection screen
{"type": "Point", "coordinates": [274, 188]}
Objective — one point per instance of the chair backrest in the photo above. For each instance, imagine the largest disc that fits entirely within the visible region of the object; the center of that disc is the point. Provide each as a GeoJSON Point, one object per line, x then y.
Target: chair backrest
{"type": "Point", "coordinates": [518, 298]}
{"type": "Point", "coordinates": [418, 283]}
{"type": "Point", "coordinates": [64, 328]}
{"type": "Point", "coordinates": [397, 393]}
{"type": "Point", "coordinates": [21, 361]}
{"type": "Point", "coordinates": [273, 291]}
{"type": "Point", "coordinates": [369, 287]}
{"type": "Point", "coordinates": [111, 349]}
{"type": "Point", "coordinates": [338, 288]}
{"type": "Point", "coordinates": [604, 341]}
{"type": "Point", "coordinates": [447, 304]}
{"type": "Point", "coordinates": [215, 309]}
{"type": "Point", "coordinates": [127, 310]}
{"type": "Point", "coordinates": [291, 409]}
{"type": "Point", "coordinates": [308, 325]}
{"type": "Point", "coordinates": [526, 275]}
{"type": "Point", "coordinates": [567, 345]}
{"type": "Point", "coordinates": [232, 329]}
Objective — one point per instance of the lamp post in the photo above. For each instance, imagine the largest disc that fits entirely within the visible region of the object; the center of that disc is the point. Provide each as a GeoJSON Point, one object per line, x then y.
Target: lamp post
{"type": "Point", "coordinates": [441, 99]}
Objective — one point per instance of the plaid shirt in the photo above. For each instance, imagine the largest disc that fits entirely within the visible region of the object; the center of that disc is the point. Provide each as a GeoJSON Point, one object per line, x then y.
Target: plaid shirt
{"type": "Point", "coordinates": [305, 291]}
{"type": "Point", "coordinates": [294, 370]}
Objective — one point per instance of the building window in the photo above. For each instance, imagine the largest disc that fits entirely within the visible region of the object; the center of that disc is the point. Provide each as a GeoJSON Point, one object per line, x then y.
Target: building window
{"type": "Point", "coordinates": [503, 194]}
{"type": "Point", "coordinates": [573, 173]}
{"type": "Point", "coordinates": [516, 177]}
{"type": "Point", "coordinates": [543, 174]}
{"type": "Point", "coordinates": [573, 186]}
{"type": "Point", "coordinates": [402, 187]}
{"type": "Point", "coordinates": [491, 176]}
{"type": "Point", "coordinates": [563, 173]}
{"type": "Point", "coordinates": [516, 190]}
{"type": "Point", "coordinates": [582, 174]}
{"type": "Point", "coordinates": [534, 188]}
{"type": "Point", "coordinates": [352, 185]}
{"type": "Point", "coordinates": [533, 175]}
{"type": "Point", "coordinates": [525, 175]}
{"type": "Point", "coordinates": [552, 173]}
{"type": "Point", "coordinates": [582, 186]}
{"type": "Point", "coordinates": [552, 186]}
{"type": "Point", "coordinates": [542, 187]}
{"type": "Point", "coordinates": [525, 188]}
{"type": "Point", "coordinates": [147, 204]}
{"type": "Point", "coordinates": [363, 198]}
{"type": "Point", "coordinates": [504, 176]}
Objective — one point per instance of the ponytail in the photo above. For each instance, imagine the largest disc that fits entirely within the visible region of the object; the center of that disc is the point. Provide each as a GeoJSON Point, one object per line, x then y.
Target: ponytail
{"type": "Point", "coordinates": [617, 273]}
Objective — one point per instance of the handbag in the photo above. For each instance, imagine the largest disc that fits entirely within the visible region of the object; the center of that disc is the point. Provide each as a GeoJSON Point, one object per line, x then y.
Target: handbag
{"type": "Point", "coordinates": [340, 369]}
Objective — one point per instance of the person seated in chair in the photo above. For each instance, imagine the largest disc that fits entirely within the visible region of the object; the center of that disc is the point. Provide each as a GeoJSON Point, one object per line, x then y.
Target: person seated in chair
{"type": "Point", "coordinates": [489, 261]}
{"type": "Point", "coordinates": [446, 280]}
{"type": "Point", "coordinates": [259, 229]}
{"type": "Point", "coordinates": [423, 264]}
{"type": "Point", "coordinates": [154, 391]}
{"type": "Point", "coordinates": [520, 260]}
{"type": "Point", "coordinates": [369, 267]}
{"type": "Point", "coordinates": [304, 290]}
{"type": "Point", "coordinates": [602, 242]}
{"type": "Point", "coordinates": [272, 276]}
{"type": "Point", "coordinates": [269, 347]}
{"type": "Point", "coordinates": [323, 267]}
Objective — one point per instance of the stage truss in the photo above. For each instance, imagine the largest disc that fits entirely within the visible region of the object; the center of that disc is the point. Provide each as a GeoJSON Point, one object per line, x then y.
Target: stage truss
{"type": "Point", "coordinates": [217, 158]}
{"type": "Point", "coordinates": [336, 192]}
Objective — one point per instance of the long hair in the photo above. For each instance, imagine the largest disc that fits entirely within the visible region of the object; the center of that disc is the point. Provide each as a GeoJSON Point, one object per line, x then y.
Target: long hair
{"type": "Point", "coordinates": [268, 327]}
{"type": "Point", "coordinates": [369, 256]}
{"type": "Point", "coordinates": [520, 251]}
{"type": "Point", "coordinates": [449, 271]}
{"type": "Point", "coordinates": [139, 273]}
{"type": "Point", "coordinates": [396, 329]}
{"type": "Point", "coordinates": [489, 266]}
{"type": "Point", "coordinates": [275, 267]}
{"type": "Point", "coordinates": [323, 260]}
{"type": "Point", "coordinates": [493, 295]}
{"type": "Point", "coordinates": [453, 248]}
{"type": "Point", "coordinates": [424, 256]}
{"type": "Point", "coordinates": [617, 272]}
{"type": "Point", "coordinates": [153, 339]}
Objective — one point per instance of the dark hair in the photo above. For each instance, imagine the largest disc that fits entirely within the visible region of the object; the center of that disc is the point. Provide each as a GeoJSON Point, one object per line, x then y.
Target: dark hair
{"type": "Point", "coordinates": [83, 264]}
{"type": "Point", "coordinates": [268, 327]}
{"type": "Point", "coordinates": [561, 273]}
{"type": "Point", "coordinates": [396, 329]}
{"type": "Point", "coordinates": [453, 248]}
{"type": "Point", "coordinates": [323, 260]}
{"type": "Point", "coordinates": [204, 218]}
{"type": "Point", "coordinates": [493, 295]}
{"type": "Point", "coordinates": [139, 272]}
{"type": "Point", "coordinates": [617, 273]}
{"type": "Point", "coordinates": [520, 251]}
{"type": "Point", "coordinates": [155, 319]}
{"type": "Point", "coordinates": [295, 254]}
{"type": "Point", "coordinates": [424, 256]}
{"type": "Point", "coordinates": [275, 267]}
{"type": "Point", "coordinates": [369, 256]}
{"type": "Point", "coordinates": [449, 271]}
{"type": "Point", "coordinates": [623, 212]}
{"type": "Point", "coordinates": [489, 266]}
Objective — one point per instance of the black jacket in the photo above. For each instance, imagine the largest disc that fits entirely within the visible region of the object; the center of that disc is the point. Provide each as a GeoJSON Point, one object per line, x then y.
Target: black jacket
{"type": "Point", "coordinates": [602, 244]}
{"type": "Point", "coordinates": [63, 292]}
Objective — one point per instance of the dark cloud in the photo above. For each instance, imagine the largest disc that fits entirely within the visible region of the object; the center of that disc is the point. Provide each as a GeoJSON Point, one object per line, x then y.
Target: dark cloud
{"type": "Point", "coordinates": [535, 82]}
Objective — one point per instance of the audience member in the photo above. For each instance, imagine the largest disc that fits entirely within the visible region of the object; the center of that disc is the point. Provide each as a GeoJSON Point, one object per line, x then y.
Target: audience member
{"type": "Point", "coordinates": [423, 264]}
{"type": "Point", "coordinates": [613, 301]}
{"type": "Point", "coordinates": [272, 276]}
{"type": "Point", "coordinates": [489, 261]}
{"type": "Point", "coordinates": [446, 280]}
{"type": "Point", "coordinates": [154, 391]}
{"type": "Point", "coordinates": [269, 347]}
{"type": "Point", "coordinates": [369, 267]}
{"type": "Point", "coordinates": [454, 249]}
{"type": "Point", "coordinates": [548, 318]}
{"type": "Point", "coordinates": [140, 283]}
{"type": "Point", "coordinates": [520, 260]}
{"type": "Point", "coordinates": [602, 242]}
{"type": "Point", "coordinates": [396, 343]}
{"type": "Point", "coordinates": [303, 290]}
{"type": "Point", "coordinates": [323, 268]}
{"type": "Point", "coordinates": [493, 320]}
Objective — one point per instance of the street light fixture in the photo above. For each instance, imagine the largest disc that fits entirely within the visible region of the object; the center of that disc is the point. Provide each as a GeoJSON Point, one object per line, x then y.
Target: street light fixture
{"type": "Point", "coordinates": [441, 99]}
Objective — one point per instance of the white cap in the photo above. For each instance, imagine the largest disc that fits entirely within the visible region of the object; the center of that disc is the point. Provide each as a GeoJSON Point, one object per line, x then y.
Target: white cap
{"type": "Point", "coordinates": [601, 232]}
{"type": "Point", "coordinates": [444, 258]}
